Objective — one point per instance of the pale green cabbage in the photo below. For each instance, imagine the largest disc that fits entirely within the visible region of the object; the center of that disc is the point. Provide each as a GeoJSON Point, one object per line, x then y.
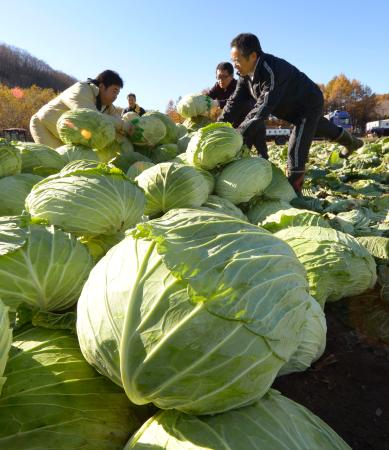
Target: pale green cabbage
{"type": "Point", "coordinates": [39, 159]}
{"type": "Point", "coordinates": [14, 190]}
{"type": "Point", "coordinates": [137, 168]}
{"type": "Point", "coordinates": [293, 217]}
{"type": "Point", "coordinates": [86, 127]}
{"type": "Point", "coordinates": [41, 267]}
{"type": "Point", "coordinates": [196, 311]}
{"type": "Point", "coordinates": [192, 105]}
{"type": "Point", "coordinates": [243, 179]}
{"type": "Point", "coordinates": [272, 423]}
{"type": "Point", "coordinates": [337, 265]}
{"type": "Point", "coordinates": [279, 188]}
{"type": "Point", "coordinates": [171, 185]}
{"type": "Point", "coordinates": [10, 159]}
{"type": "Point", "coordinates": [263, 208]}
{"type": "Point", "coordinates": [87, 198]}
{"type": "Point", "coordinates": [70, 152]}
{"type": "Point", "coordinates": [223, 206]}
{"type": "Point", "coordinates": [214, 145]}
{"type": "Point", "coordinates": [171, 135]}
{"type": "Point", "coordinates": [149, 131]}
{"type": "Point", "coordinates": [5, 341]}
{"type": "Point", "coordinates": [54, 400]}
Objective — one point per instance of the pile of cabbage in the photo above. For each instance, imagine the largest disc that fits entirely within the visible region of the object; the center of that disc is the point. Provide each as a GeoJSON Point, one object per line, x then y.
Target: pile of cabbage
{"type": "Point", "coordinates": [153, 288]}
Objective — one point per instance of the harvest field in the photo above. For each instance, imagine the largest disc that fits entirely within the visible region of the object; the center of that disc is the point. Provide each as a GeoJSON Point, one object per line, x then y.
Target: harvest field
{"type": "Point", "coordinates": [171, 291]}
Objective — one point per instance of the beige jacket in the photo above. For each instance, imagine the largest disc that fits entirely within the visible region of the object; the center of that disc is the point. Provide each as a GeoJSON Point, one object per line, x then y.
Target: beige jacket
{"type": "Point", "coordinates": [79, 95]}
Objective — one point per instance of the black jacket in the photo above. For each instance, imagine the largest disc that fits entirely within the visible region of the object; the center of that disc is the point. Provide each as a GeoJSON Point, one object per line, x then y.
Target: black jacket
{"type": "Point", "coordinates": [222, 95]}
{"type": "Point", "coordinates": [278, 88]}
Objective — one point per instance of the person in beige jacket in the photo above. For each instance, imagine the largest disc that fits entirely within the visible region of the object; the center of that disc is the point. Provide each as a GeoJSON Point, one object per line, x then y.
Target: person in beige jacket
{"type": "Point", "coordinates": [97, 94]}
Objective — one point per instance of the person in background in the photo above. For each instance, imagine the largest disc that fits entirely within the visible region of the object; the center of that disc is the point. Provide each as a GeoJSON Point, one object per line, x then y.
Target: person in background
{"type": "Point", "coordinates": [133, 106]}
{"type": "Point", "coordinates": [277, 87]}
{"type": "Point", "coordinates": [225, 84]}
{"type": "Point", "coordinates": [97, 94]}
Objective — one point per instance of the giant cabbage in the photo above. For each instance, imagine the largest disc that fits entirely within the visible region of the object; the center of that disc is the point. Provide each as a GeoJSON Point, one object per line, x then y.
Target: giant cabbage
{"type": "Point", "coordinates": [171, 135]}
{"type": "Point", "coordinates": [171, 185]}
{"type": "Point", "coordinates": [243, 179]}
{"type": "Point", "coordinates": [54, 400]}
{"type": "Point", "coordinates": [70, 152]}
{"type": "Point", "coordinates": [41, 267]}
{"type": "Point", "coordinates": [149, 131]}
{"type": "Point", "coordinates": [86, 127]}
{"type": "Point", "coordinates": [214, 145]}
{"type": "Point", "coordinates": [87, 198]}
{"type": "Point", "coordinates": [14, 190]}
{"type": "Point", "coordinates": [196, 311]}
{"type": "Point", "coordinates": [5, 341]}
{"type": "Point", "coordinates": [312, 340]}
{"type": "Point", "coordinates": [337, 265]}
{"type": "Point", "coordinates": [39, 159]}
{"type": "Point", "coordinates": [272, 423]}
{"type": "Point", "coordinates": [10, 159]}
{"type": "Point", "coordinates": [192, 105]}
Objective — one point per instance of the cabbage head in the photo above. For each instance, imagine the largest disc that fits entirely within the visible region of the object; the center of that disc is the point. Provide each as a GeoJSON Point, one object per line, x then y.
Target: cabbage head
{"type": "Point", "coordinates": [293, 217]}
{"type": "Point", "coordinates": [272, 423]}
{"type": "Point", "coordinates": [219, 299]}
{"type": "Point", "coordinates": [171, 135]}
{"type": "Point", "coordinates": [137, 168]}
{"type": "Point", "coordinates": [279, 188]}
{"type": "Point", "coordinates": [41, 267]}
{"type": "Point", "coordinates": [87, 198]}
{"type": "Point", "coordinates": [164, 152]}
{"type": "Point", "coordinates": [224, 206]}
{"type": "Point", "coordinates": [149, 131]}
{"type": "Point", "coordinates": [86, 127]}
{"type": "Point", "coordinates": [312, 340]}
{"type": "Point", "coordinates": [197, 122]}
{"type": "Point", "coordinates": [171, 185]}
{"type": "Point", "coordinates": [243, 179]}
{"type": "Point", "coordinates": [192, 105]}
{"type": "Point", "coordinates": [39, 159]}
{"type": "Point", "coordinates": [5, 341]}
{"type": "Point", "coordinates": [262, 208]}
{"type": "Point", "coordinates": [14, 190]}
{"type": "Point", "coordinates": [54, 400]}
{"type": "Point", "coordinates": [10, 159]}
{"type": "Point", "coordinates": [337, 265]}
{"type": "Point", "coordinates": [71, 153]}
{"type": "Point", "coordinates": [214, 145]}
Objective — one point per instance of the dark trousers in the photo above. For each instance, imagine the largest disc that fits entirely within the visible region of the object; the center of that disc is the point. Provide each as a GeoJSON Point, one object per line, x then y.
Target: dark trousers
{"type": "Point", "coordinates": [308, 122]}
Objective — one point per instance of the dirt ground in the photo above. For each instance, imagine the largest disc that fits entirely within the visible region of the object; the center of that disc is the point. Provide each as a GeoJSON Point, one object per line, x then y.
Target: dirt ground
{"type": "Point", "coordinates": [348, 387]}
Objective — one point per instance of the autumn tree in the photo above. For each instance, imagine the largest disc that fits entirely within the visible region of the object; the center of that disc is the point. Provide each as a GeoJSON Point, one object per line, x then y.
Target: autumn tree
{"type": "Point", "coordinates": [352, 96]}
{"type": "Point", "coordinates": [17, 105]}
{"type": "Point", "coordinates": [171, 111]}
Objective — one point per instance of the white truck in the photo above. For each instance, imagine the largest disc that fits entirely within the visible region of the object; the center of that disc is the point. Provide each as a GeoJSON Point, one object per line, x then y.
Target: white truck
{"type": "Point", "coordinates": [279, 135]}
{"type": "Point", "coordinates": [378, 128]}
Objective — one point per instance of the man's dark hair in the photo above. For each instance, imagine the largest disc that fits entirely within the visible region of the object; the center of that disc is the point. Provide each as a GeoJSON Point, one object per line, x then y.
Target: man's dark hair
{"type": "Point", "coordinates": [108, 78]}
{"type": "Point", "coordinates": [131, 95]}
{"type": "Point", "coordinates": [247, 43]}
{"type": "Point", "coordinates": [228, 67]}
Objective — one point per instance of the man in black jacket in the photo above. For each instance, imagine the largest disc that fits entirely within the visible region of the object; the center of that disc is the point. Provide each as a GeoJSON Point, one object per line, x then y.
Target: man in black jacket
{"type": "Point", "coordinates": [282, 90]}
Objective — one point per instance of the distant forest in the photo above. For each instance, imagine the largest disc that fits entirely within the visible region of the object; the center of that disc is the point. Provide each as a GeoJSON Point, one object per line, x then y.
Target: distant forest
{"type": "Point", "coordinates": [19, 68]}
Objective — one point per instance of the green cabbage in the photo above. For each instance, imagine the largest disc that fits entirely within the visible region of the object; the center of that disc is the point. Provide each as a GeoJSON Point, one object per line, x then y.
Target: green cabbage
{"type": "Point", "coordinates": [196, 311]}
{"type": "Point", "coordinates": [337, 265]}
{"type": "Point", "coordinates": [10, 159]}
{"type": "Point", "coordinates": [171, 185]}
{"type": "Point", "coordinates": [71, 152]}
{"type": "Point", "coordinates": [262, 208]}
{"type": "Point", "coordinates": [137, 168]}
{"type": "Point", "coordinates": [54, 400]}
{"type": "Point", "coordinates": [149, 131]}
{"type": "Point", "coordinates": [14, 190]}
{"type": "Point", "coordinates": [41, 267]}
{"type": "Point", "coordinates": [214, 145]}
{"type": "Point", "coordinates": [192, 105]}
{"type": "Point", "coordinates": [39, 159]}
{"type": "Point", "coordinates": [293, 217]}
{"type": "Point", "coordinates": [312, 340]}
{"type": "Point", "coordinates": [279, 188]}
{"type": "Point", "coordinates": [243, 179]}
{"type": "Point", "coordinates": [5, 341]}
{"type": "Point", "coordinates": [164, 152]}
{"type": "Point", "coordinates": [171, 135]}
{"type": "Point", "coordinates": [272, 423]}
{"type": "Point", "coordinates": [86, 127]}
{"type": "Point", "coordinates": [197, 122]}
{"type": "Point", "coordinates": [224, 206]}
{"type": "Point", "coordinates": [87, 200]}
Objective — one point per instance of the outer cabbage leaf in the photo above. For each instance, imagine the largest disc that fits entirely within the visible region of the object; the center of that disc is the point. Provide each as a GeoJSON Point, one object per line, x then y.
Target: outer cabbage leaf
{"type": "Point", "coordinates": [5, 341]}
{"type": "Point", "coordinates": [14, 190]}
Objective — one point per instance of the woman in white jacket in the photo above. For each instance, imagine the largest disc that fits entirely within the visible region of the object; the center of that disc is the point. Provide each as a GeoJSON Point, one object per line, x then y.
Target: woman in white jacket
{"type": "Point", "coordinates": [97, 94]}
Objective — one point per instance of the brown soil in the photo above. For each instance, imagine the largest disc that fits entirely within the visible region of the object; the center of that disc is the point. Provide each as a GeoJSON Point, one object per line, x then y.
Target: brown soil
{"type": "Point", "coordinates": [348, 387]}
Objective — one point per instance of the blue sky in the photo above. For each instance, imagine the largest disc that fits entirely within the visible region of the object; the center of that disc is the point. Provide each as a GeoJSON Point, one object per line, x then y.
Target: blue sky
{"type": "Point", "coordinates": [166, 49]}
